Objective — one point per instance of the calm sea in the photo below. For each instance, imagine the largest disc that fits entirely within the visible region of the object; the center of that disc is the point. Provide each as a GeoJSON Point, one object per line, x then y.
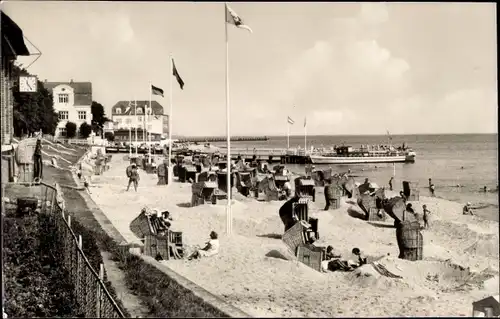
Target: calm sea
{"type": "Point", "coordinates": [470, 161]}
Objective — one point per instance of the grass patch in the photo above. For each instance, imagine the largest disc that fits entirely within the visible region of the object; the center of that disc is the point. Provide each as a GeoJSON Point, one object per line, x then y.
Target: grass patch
{"type": "Point", "coordinates": [162, 296]}
{"type": "Point", "coordinates": [36, 284]}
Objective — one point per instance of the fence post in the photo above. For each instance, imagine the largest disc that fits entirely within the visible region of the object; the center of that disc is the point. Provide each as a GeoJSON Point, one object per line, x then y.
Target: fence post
{"type": "Point", "coordinates": [78, 271]}
{"type": "Point", "coordinates": [52, 203]}
{"type": "Point", "coordinates": [99, 290]}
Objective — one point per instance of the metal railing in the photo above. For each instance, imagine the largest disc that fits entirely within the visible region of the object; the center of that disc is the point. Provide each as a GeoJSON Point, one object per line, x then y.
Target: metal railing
{"type": "Point", "coordinates": [90, 291]}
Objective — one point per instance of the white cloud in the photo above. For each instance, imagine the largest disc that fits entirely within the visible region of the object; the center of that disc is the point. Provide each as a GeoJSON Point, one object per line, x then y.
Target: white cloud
{"type": "Point", "coordinates": [110, 26]}
{"type": "Point", "coordinates": [351, 68]}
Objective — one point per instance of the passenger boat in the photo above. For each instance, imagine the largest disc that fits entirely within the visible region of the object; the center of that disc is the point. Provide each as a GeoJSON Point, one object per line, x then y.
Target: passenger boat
{"type": "Point", "coordinates": [350, 155]}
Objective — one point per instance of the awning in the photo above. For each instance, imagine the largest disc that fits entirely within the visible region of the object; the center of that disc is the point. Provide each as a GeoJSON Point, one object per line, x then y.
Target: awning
{"type": "Point", "coordinates": [12, 38]}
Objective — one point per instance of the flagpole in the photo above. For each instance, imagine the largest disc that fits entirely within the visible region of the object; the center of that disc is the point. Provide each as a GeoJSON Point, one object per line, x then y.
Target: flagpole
{"type": "Point", "coordinates": [228, 133]}
{"type": "Point", "coordinates": [144, 124]}
{"type": "Point", "coordinates": [149, 121]}
{"type": "Point", "coordinates": [130, 139]}
{"type": "Point", "coordinates": [287, 134]}
{"type": "Point", "coordinates": [305, 135]}
{"type": "Point", "coordinates": [136, 125]}
{"type": "Point", "coordinates": [169, 168]}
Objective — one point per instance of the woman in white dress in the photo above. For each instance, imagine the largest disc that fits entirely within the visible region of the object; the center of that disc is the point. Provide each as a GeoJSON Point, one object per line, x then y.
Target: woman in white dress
{"type": "Point", "coordinates": [211, 248]}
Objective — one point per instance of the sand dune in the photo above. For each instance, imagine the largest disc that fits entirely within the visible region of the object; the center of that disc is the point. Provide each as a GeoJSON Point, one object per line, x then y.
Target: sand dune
{"type": "Point", "coordinates": [256, 272]}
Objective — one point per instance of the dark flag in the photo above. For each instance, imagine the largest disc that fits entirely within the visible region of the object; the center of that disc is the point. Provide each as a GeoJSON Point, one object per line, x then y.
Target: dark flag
{"type": "Point", "coordinates": [156, 90]}
{"type": "Point", "coordinates": [177, 76]}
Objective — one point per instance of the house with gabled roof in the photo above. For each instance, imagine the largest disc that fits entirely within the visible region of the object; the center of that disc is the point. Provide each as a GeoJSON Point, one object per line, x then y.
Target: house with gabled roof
{"type": "Point", "coordinates": [135, 114]}
{"type": "Point", "coordinates": [72, 101]}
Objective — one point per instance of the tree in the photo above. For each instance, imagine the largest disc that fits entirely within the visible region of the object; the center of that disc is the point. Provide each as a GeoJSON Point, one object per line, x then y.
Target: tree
{"type": "Point", "coordinates": [70, 129]}
{"type": "Point", "coordinates": [98, 116]}
{"type": "Point", "coordinates": [109, 136]}
{"type": "Point", "coordinates": [85, 130]}
{"type": "Point", "coordinates": [32, 111]}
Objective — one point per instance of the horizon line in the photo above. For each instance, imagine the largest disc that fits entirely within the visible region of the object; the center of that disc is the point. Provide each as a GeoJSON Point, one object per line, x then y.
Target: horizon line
{"type": "Point", "coordinates": [309, 135]}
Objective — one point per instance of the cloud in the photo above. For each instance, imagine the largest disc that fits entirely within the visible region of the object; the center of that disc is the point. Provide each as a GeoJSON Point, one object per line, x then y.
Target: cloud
{"type": "Point", "coordinates": [349, 70]}
{"type": "Point", "coordinates": [110, 26]}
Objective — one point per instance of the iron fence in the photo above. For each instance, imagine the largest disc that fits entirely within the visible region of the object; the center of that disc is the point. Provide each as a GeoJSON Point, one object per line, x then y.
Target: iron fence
{"type": "Point", "coordinates": [92, 296]}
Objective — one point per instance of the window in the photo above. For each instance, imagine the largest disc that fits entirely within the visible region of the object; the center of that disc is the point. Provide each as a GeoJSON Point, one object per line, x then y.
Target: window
{"type": "Point", "coordinates": [62, 131]}
{"type": "Point", "coordinates": [63, 115]}
{"type": "Point", "coordinates": [118, 121]}
{"type": "Point", "coordinates": [128, 121]}
{"type": "Point", "coordinates": [82, 115]}
{"type": "Point", "coordinates": [139, 110]}
{"type": "Point", "coordinates": [63, 98]}
{"type": "Point", "coordinates": [139, 118]}
{"type": "Point", "coordinates": [150, 127]}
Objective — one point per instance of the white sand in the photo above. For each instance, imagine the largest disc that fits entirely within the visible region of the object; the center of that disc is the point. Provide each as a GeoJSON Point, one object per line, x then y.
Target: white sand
{"type": "Point", "coordinates": [271, 286]}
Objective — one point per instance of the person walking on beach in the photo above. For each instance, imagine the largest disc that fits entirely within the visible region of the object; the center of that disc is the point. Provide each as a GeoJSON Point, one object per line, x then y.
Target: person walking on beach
{"type": "Point", "coordinates": [133, 176]}
{"type": "Point", "coordinates": [426, 216]}
{"type": "Point", "coordinates": [431, 187]}
{"type": "Point", "coordinates": [37, 158]}
{"type": "Point", "coordinates": [390, 183]}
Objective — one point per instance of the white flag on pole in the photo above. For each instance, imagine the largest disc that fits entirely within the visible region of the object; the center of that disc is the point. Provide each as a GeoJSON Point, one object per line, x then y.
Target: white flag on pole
{"type": "Point", "coordinates": [234, 19]}
{"type": "Point", "coordinates": [290, 120]}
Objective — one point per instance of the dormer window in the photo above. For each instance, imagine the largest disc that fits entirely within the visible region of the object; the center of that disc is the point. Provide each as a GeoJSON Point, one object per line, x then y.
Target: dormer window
{"type": "Point", "coordinates": [139, 110]}
{"type": "Point", "coordinates": [118, 111]}
{"type": "Point", "coordinates": [63, 98]}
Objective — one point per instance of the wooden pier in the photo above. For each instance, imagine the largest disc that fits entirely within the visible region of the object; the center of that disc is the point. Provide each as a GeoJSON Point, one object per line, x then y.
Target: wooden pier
{"type": "Point", "coordinates": [270, 155]}
{"type": "Point", "coordinates": [213, 139]}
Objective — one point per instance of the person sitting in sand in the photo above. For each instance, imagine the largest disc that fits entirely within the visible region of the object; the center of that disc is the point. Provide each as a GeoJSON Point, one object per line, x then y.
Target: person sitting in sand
{"type": "Point", "coordinates": [426, 216]}
{"type": "Point", "coordinates": [468, 209]}
{"type": "Point", "coordinates": [329, 257]}
{"type": "Point", "coordinates": [331, 254]}
{"type": "Point", "coordinates": [409, 208]}
{"type": "Point", "coordinates": [133, 176]}
{"type": "Point", "coordinates": [361, 257]}
{"type": "Point", "coordinates": [211, 248]}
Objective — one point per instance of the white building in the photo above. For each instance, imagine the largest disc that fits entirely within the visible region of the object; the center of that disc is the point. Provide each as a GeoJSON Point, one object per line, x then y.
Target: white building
{"type": "Point", "coordinates": [125, 115]}
{"type": "Point", "coordinates": [72, 101]}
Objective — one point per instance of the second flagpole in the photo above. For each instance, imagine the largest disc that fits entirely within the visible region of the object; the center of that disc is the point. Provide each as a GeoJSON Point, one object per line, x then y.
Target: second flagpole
{"type": "Point", "coordinates": [229, 216]}
{"type": "Point", "coordinates": [169, 168]}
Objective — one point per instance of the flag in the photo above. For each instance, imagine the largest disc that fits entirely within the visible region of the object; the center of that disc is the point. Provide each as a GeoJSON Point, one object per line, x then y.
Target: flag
{"type": "Point", "coordinates": [156, 90]}
{"type": "Point", "coordinates": [234, 19]}
{"type": "Point", "coordinates": [305, 121]}
{"type": "Point", "coordinates": [128, 108]}
{"type": "Point", "coordinates": [290, 120]}
{"type": "Point", "coordinates": [177, 76]}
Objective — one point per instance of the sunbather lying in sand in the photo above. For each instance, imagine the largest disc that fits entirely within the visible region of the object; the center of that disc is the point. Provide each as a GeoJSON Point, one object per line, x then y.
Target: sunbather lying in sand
{"type": "Point", "coordinates": [211, 248]}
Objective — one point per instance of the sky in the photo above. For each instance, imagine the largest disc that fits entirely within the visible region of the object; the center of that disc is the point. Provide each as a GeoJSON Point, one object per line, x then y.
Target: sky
{"type": "Point", "coordinates": [349, 68]}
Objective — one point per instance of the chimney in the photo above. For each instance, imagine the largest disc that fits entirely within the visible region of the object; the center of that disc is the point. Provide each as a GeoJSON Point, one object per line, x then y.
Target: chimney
{"type": "Point", "coordinates": [45, 81]}
{"type": "Point", "coordinates": [71, 81]}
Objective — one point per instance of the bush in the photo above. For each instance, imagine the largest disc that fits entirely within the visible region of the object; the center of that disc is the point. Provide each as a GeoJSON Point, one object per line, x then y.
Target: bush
{"type": "Point", "coordinates": [85, 130]}
{"type": "Point", "coordinates": [109, 136]}
{"type": "Point", "coordinates": [70, 129]}
{"type": "Point", "coordinates": [36, 284]}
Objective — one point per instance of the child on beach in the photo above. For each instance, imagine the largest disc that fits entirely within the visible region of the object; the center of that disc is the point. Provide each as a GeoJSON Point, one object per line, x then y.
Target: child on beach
{"type": "Point", "coordinates": [468, 209]}
{"type": "Point", "coordinates": [426, 216]}
{"type": "Point", "coordinates": [361, 257]}
{"type": "Point", "coordinates": [390, 183]}
{"type": "Point", "coordinates": [211, 248]}
{"type": "Point", "coordinates": [133, 176]}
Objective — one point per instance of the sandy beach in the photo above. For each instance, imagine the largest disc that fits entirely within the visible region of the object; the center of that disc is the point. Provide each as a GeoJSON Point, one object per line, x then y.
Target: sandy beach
{"type": "Point", "coordinates": [461, 259]}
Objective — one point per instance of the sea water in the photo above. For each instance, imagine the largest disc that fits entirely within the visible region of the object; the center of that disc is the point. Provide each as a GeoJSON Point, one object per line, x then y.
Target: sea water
{"type": "Point", "coordinates": [459, 165]}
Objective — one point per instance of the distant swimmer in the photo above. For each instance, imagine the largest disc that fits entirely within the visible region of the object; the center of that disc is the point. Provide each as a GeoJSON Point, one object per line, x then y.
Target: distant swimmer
{"type": "Point", "coordinates": [462, 167]}
{"type": "Point", "coordinates": [485, 189]}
